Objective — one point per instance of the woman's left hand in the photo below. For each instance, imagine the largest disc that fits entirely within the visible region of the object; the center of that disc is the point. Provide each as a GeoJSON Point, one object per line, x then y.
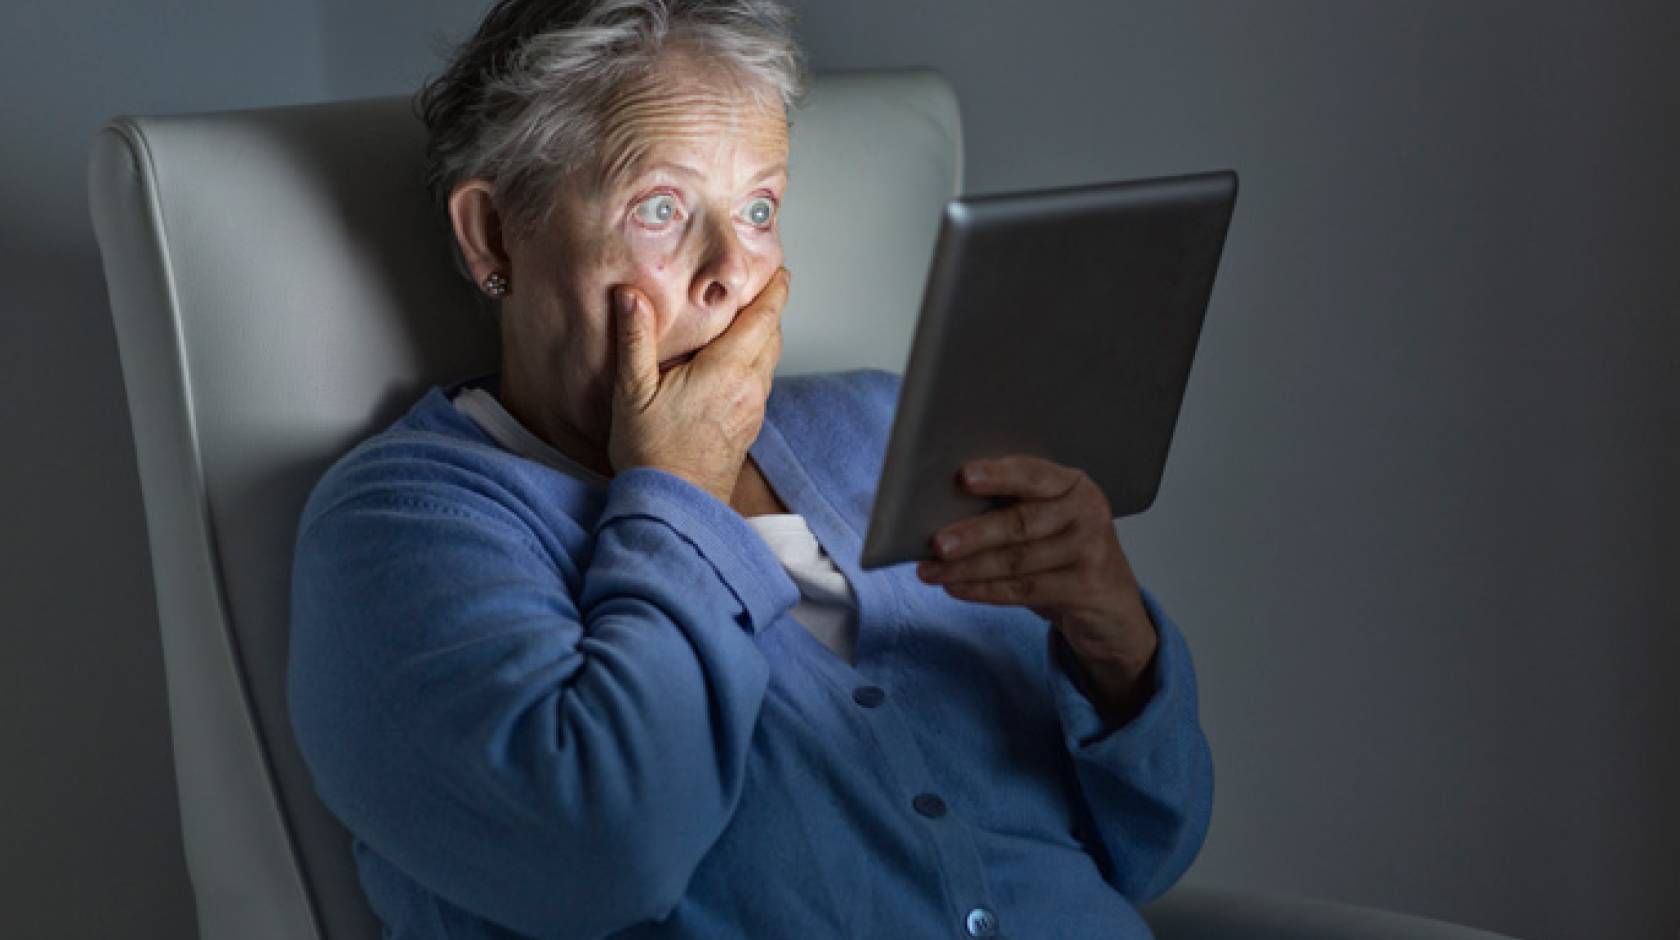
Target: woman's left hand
{"type": "Point", "coordinates": [1053, 550]}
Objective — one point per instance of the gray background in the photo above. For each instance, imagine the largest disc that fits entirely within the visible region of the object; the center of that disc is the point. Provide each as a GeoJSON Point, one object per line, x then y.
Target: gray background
{"type": "Point", "coordinates": [1424, 488]}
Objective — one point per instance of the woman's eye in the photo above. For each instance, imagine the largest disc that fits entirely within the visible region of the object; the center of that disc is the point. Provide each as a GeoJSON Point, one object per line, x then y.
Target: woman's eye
{"type": "Point", "coordinates": [657, 210]}
{"type": "Point", "coordinates": [760, 211]}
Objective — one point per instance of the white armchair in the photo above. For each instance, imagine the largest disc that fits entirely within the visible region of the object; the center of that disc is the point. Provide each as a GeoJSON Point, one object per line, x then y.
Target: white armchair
{"type": "Point", "coordinates": [281, 289]}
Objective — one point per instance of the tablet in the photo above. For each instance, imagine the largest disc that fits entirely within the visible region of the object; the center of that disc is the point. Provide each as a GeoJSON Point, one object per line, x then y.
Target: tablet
{"type": "Point", "coordinates": [1057, 323]}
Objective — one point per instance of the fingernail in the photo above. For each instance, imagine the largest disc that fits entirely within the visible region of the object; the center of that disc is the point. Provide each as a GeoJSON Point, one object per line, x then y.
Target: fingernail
{"type": "Point", "coordinates": [946, 544]}
{"type": "Point", "coordinates": [973, 475]}
{"type": "Point", "coordinates": [623, 302]}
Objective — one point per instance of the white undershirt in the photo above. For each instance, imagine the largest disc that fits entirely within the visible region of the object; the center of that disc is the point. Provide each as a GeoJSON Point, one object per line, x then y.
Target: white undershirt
{"type": "Point", "coordinates": [827, 607]}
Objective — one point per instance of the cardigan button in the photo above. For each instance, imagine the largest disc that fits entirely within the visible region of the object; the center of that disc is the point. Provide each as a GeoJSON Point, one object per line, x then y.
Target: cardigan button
{"type": "Point", "coordinates": [929, 805]}
{"type": "Point", "coordinates": [869, 696]}
{"type": "Point", "coordinates": [982, 923]}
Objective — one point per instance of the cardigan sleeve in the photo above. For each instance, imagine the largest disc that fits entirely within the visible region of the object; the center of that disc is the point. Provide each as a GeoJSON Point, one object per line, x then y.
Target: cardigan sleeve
{"type": "Point", "coordinates": [554, 760]}
{"type": "Point", "coordinates": [1148, 784]}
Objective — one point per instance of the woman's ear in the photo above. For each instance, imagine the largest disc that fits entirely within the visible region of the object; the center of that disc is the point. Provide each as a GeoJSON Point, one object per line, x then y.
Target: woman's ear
{"type": "Point", "coordinates": [478, 229]}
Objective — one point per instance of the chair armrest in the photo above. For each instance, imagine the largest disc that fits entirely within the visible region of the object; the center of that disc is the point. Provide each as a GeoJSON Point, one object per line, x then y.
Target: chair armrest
{"type": "Point", "coordinates": [1195, 912]}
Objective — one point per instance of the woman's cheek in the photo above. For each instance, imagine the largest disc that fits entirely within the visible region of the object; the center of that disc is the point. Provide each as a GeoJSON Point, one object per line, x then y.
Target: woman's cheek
{"type": "Point", "coordinates": [769, 246]}
{"type": "Point", "coordinates": [769, 258]}
{"type": "Point", "coordinates": [653, 254]}
{"type": "Point", "coordinates": [659, 275]}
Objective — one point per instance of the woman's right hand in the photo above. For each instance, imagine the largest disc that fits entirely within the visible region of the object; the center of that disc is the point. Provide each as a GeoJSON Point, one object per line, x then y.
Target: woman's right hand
{"type": "Point", "coordinates": [698, 419]}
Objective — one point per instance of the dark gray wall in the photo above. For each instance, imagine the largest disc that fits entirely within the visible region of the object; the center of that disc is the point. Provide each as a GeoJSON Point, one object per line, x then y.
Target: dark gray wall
{"type": "Point", "coordinates": [1424, 488]}
{"type": "Point", "coordinates": [1422, 505]}
{"type": "Point", "coordinates": [89, 839]}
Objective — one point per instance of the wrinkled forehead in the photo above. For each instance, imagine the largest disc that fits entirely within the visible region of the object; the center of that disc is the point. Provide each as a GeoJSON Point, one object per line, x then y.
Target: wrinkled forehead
{"type": "Point", "coordinates": [684, 105]}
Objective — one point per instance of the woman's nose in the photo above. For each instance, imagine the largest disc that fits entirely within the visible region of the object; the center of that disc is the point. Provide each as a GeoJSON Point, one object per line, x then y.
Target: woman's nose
{"type": "Point", "coordinates": [722, 275]}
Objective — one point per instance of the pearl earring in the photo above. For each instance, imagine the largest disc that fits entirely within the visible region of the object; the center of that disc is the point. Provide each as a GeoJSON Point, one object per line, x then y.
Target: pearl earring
{"type": "Point", "coordinates": [496, 284]}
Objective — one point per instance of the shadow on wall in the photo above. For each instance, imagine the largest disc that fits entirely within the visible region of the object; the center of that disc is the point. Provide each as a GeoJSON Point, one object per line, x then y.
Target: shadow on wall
{"type": "Point", "coordinates": [91, 844]}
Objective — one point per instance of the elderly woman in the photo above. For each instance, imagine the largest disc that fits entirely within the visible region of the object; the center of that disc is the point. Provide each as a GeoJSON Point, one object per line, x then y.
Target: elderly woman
{"type": "Point", "coordinates": [580, 648]}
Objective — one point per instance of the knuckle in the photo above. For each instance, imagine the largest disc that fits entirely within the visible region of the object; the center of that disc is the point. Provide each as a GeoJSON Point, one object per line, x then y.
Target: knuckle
{"type": "Point", "coordinates": [1093, 495]}
{"type": "Point", "coordinates": [1088, 490]}
{"type": "Point", "coordinates": [1015, 558]}
{"type": "Point", "coordinates": [1019, 523]}
{"type": "Point", "coordinates": [743, 387]}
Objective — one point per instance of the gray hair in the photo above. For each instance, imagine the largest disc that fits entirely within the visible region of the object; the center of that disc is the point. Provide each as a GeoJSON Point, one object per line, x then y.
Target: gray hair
{"type": "Point", "coordinates": [523, 101]}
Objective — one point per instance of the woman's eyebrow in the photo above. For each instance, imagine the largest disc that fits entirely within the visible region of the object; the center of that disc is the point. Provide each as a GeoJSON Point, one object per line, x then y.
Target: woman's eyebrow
{"type": "Point", "coordinates": [683, 169]}
{"type": "Point", "coordinates": [778, 169]}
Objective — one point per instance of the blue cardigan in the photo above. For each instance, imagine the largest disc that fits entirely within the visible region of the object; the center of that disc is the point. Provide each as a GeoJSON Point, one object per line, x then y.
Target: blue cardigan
{"type": "Point", "coordinates": [552, 711]}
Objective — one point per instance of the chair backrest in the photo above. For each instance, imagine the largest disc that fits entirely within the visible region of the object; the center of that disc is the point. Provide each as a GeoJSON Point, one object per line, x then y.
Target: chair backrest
{"type": "Point", "coordinates": [281, 288]}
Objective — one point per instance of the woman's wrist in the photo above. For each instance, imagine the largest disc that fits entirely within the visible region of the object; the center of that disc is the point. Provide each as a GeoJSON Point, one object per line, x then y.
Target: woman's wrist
{"type": "Point", "coordinates": [1117, 681]}
{"type": "Point", "coordinates": [1119, 694]}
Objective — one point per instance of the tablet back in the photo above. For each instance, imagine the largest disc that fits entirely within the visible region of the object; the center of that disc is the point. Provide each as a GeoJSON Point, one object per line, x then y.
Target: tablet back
{"type": "Point", "coordinates": [1058, 323]}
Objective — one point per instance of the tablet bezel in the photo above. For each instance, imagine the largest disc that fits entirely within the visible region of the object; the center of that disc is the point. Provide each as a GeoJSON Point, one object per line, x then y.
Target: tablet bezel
{"type": "Point", "coordinates": [989, 252]}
